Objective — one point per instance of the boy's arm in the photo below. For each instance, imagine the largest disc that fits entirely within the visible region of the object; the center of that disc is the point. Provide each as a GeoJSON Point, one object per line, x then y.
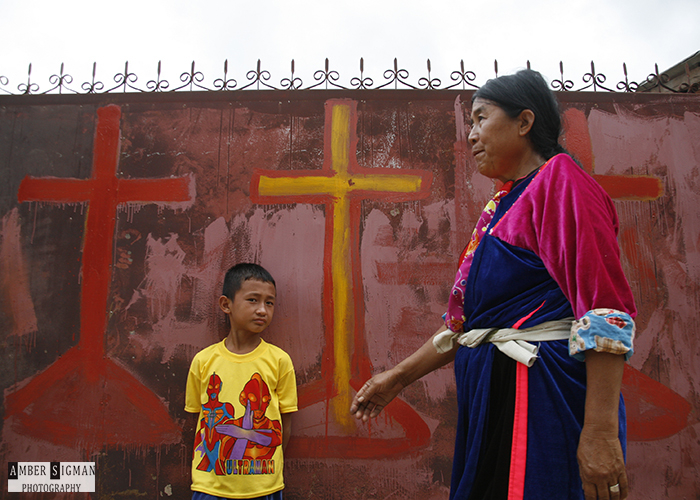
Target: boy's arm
{"type": "Point", "coordinates": [286, 429]}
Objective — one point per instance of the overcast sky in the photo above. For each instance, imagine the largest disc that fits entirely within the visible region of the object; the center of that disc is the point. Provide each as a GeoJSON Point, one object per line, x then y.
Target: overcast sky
{"type": "Point", "coordinates": [176, 32]}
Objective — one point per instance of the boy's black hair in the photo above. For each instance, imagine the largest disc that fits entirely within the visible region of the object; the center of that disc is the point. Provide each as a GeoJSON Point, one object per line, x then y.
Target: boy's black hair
{"type": "Point", "coordinates": [243, 272]}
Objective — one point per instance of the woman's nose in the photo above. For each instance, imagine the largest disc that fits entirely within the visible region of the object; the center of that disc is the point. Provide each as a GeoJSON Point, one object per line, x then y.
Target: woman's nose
{"type": "Point", "coordinates": [471, 138]}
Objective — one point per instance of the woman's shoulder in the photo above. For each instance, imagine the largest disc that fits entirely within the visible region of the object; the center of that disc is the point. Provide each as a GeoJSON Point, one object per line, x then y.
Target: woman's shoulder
{"type": "Point", "coordinates": [563, 166]}
{"type": "Point", "coordinates": [563, 174]}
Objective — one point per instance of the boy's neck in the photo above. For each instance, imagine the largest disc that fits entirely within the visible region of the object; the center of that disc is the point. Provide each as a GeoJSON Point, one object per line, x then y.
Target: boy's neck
{"type": "Point", "coordinates": [242, 342]}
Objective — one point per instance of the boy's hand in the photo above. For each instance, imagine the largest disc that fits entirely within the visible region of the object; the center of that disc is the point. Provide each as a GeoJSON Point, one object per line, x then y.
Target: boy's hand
{"type": "Point", "coordinates": [375, 394]}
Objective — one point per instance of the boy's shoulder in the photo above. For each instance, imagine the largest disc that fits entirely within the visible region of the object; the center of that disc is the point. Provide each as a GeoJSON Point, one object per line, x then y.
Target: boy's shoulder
{"type": "Point", "coordinates": [208, 351]}
{"type": "Point", "coordinates": [275, 349]}
{"type": "Point", "coordinates": [278, 353]}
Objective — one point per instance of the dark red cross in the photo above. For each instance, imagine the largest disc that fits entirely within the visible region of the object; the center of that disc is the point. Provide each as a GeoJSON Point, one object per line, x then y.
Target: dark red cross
{"type": "Point", "coordinates": [86, 398]}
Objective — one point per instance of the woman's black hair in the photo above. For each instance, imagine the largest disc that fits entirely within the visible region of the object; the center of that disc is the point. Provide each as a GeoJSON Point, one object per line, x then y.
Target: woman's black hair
{"type": "Point", "coordinates": [527, 89]}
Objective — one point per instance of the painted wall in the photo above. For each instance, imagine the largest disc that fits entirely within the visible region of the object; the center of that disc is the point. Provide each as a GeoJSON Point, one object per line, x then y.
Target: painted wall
{"type": "Point", "coordinates": [120, 214]}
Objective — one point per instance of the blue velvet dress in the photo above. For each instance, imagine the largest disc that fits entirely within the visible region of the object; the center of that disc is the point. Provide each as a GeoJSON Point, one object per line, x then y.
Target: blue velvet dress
{"type": "Point", "coordinates": [525, 271]}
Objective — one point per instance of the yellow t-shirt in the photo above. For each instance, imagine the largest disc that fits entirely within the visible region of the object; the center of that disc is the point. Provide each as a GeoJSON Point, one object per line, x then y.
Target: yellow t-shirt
{"type": "Point", "coordinates": [240, 399]}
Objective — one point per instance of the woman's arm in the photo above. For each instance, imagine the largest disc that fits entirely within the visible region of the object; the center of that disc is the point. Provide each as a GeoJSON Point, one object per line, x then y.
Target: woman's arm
{"type": "Point", "coordinates": [601, 463]}
{"type": "Point", "coordinates": [378, 391]}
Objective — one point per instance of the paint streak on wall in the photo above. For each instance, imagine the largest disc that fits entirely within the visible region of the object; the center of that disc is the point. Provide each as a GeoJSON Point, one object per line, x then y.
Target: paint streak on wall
{"type": "Point", "coordinates": [14, 280]}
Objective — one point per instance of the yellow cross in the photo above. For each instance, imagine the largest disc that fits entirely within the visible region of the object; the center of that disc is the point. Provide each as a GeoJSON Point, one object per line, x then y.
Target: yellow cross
{"type": "Point", "coordinates": [341, 185]}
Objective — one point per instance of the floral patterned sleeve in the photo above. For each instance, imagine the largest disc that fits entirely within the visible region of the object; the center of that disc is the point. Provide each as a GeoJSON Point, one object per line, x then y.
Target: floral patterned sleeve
{"type": "Point", "coordinates": [603, 330]}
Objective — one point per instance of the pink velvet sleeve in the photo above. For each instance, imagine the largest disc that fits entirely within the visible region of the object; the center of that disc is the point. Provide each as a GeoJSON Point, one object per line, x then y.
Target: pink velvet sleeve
{"type": "Point", "coordinates": [568, 220]}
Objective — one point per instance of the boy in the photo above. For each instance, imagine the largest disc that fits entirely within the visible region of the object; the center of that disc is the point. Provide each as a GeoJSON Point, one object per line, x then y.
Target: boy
{"type": "Point", "coordinates": [244, 391]}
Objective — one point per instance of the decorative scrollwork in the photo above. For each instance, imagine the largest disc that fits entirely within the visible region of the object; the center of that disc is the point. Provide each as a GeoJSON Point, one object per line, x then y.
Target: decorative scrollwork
{"type": "Point", "coordinates": [327, 78]}
{"type": "Point", "coordinates": [396, 76]}
{"type": "Point", "coordinates": [659, 80]}
{"type": "Point", "coordinates": [462, 77]}
{"type": "Point", "coordinates": [258, 76]}
{"type": "Point", "coordinates": [29, 87]}
{"type": "Point", "coordinates": [124, 80]}
{"type": "Point", "coordinates": [362, 83]}
{"type": "Point", "coordinates": [157, 85]}
{"type": "Point", "coordinates": [92, 87]}
{"type": "Point", "coordinates": [596, 79]}
{"type": "Point", "coordinates": [60, 82]}
{"type": "Point", "coordinates": [291, 83]}
{"type": "Point", "coordinates": [688, 87]}
{"type": "Point", "coordinates": [429, 83]}
{"type": "Point", "coordinates": [626, 85]}
{"type": "Point", "coordinates": [225, 83]}
{"type": "Point", "coordinates": [562, 84]}
{"type": "Point", "coordinates": [4, 81]}
{"type": "Point", "coordinates": [191, 79]}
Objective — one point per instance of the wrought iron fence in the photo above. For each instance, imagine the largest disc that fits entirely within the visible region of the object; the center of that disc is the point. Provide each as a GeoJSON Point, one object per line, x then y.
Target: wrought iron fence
{"type": "Point", "coordinates": [326, 78]}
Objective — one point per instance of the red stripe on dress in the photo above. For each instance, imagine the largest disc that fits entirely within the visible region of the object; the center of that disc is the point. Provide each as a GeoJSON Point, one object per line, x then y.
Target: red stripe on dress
{"type": "Point", "coordinates": [518, 452]}
{"type": "Point", "coordinates": [525, 318]}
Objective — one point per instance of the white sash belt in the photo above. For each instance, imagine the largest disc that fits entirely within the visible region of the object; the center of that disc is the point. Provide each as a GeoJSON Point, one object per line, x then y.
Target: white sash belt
{"type": "Point", "coordinates": [512, 342]}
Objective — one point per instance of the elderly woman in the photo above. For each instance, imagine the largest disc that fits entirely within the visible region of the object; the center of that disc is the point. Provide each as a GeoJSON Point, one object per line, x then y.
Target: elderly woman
{"type": "Point", "coordinates": [539, 320]}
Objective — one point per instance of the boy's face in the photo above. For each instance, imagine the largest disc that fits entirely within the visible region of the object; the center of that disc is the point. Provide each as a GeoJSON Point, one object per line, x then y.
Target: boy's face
{"type": "Point", "coordinates": [252, 307]}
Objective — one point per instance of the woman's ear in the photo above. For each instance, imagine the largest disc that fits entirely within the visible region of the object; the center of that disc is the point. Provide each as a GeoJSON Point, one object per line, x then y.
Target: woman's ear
{"type": "Point", "coordinates": [527, 120]}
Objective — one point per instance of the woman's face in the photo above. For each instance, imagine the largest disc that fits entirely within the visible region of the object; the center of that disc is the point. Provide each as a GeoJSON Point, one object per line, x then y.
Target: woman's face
{"type": "Point", "coordinates": [497, 141]}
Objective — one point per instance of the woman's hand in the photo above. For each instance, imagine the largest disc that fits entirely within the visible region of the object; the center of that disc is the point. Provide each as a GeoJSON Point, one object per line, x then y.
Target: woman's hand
{"type": "Point", "coordinates": [599, 454]}
{"type": "Point", "coordinates": [378, 391]}
{"type": "Point", "coordinates": [375, 394]}
{"type": "Point", "coordinates": [601, 465]}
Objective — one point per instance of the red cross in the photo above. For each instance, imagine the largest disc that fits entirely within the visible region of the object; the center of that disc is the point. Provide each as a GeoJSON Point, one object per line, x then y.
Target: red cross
{"type": "Point", "coordinates": [619, 187]}
{"type": "Point", "coordinates": [85, 398]}
{"type": "Point", "coordinates": [653, 410]}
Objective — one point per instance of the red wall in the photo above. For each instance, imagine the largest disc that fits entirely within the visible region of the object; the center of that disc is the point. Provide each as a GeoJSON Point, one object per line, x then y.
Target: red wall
{"type": "Point", "coordinates": [120, 215]}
